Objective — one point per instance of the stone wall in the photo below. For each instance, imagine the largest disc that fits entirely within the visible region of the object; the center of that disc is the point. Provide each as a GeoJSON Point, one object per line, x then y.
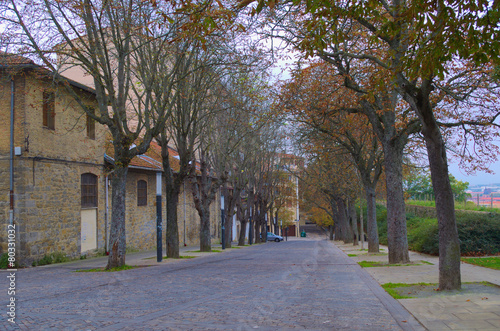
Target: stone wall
{"type": "Point", "coordinates": [141, 220]}
{"type": "Point", "coordinates": [48, 206]}
{"type": "Point", "coordinates": [47, 176]}
{"type": "Point", "coordinates": [47, 201]}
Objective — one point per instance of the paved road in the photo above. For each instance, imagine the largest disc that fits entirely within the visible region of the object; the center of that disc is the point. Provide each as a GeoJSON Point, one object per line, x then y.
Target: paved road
{"type": "Point", "coordinates": [305, 283]}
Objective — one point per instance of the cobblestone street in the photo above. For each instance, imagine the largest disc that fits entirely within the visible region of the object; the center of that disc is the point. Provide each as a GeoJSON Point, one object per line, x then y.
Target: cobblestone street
{"type": "Point", "coordinates": [304, 283]}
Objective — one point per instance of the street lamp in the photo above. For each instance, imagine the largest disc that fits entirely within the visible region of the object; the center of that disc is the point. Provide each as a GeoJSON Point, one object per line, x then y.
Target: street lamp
{"type": "Point", "coordinates": [159, 248]}
{"type": "Point", "coordinates": [222, 221]}
{"type": "Point", "coordinates": [267, 226]}
{"type": "Point", "coordinates": [250, 235]}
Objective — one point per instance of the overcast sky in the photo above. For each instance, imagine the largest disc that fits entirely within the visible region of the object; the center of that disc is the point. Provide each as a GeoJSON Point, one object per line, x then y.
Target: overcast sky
{"type": "Point", "coordinates": [481, 178]}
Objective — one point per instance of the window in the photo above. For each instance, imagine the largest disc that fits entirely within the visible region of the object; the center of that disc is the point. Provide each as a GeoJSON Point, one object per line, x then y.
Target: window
{"type": "Point", "coordinates": [89, 190]}
{"type": "Point", "coordinates": [49, 112]}
{"type": "Point", "coordinates": [142, 193]}
{"type": "Point", "coordinates": [90, 125]}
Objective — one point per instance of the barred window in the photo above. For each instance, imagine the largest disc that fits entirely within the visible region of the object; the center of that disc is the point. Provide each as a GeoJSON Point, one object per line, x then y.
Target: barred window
{"type": "Point", "coordinates": [49, 113]}
{"type": "Point", "coordinates": [89, 190]}
{"type": "Point", "coordinates": [142, 193]}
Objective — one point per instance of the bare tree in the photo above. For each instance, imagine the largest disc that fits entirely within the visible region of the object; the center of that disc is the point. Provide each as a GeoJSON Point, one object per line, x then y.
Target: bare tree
{"type": "Point", "coordinates": [100, 39]}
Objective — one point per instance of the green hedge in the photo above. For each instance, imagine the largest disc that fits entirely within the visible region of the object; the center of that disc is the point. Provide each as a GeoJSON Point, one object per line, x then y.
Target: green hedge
{"type": "Point", "coordinates": [479, 233]}
{"type": "Point", "coordinates": [4, 261]}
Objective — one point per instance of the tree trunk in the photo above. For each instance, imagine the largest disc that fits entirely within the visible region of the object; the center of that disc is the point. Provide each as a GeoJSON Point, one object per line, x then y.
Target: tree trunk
{"type": "Point", "coordinates": [205, 238]}
{"type": "Point", "coordinates": [277, 224]}
{"type": "Point", "coordinates": [228, 225]}
{"type": "Point", "coordinates": [393, 143]}
{"type": "Point", "coordinates": [257, 226]}
{"type": "Point", "coordinates": [330, 230]}
{"type": "Point", "coordinates": [354, 221]}
{"type": "Point", "coordinates": [449, 243]}
{"type": "Point", "coordinates": [243, 230]}
{"type": "Point", "coordinates": [228, 214]}
{"type": "Point", "coordinates": [372, 229]}
{"type": "Point", "coordinates": [172, 191]}
{"type": "Point", "coordinates": [361, 225]}
{"type": "Point", "coordinates": [172, 230]}
{"type": "Point", "coordinates": [344, 225]}
{"type": "Point", "coordinates": [396, 215]}
{"type": "Point", "coordinates": [117, 234]}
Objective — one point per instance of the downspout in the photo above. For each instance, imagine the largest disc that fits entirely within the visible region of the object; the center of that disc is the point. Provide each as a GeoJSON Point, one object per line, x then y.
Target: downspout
{"type": "Point", "coordinates": [184, 193]}
{"type": "Point", "coordinates": [106, 213]}
{"type": "Point", "coordinates": [11, 160]}
{"type": "Point", "coordinates": [298, 211]}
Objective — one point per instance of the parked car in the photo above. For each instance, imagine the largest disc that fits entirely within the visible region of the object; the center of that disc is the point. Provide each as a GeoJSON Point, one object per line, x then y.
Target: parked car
{"type": "Point", "coordinates": [271, 236]}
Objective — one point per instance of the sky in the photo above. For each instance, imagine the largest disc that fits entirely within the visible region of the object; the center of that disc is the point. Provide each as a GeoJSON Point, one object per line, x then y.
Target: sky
{"type": "Point", "coordinates": [481, 178]}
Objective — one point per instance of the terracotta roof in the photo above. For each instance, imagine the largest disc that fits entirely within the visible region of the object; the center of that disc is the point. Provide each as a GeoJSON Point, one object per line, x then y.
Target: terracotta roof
{"type": "Point", "coordinates": [16, 62]}
{"type": "Point", "coordinates": [9, 59]}
{"type": "Point", "coordinates": [151, 160]}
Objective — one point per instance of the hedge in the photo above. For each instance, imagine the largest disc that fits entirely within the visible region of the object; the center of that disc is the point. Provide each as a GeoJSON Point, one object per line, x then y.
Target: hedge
{"type": "Point", "coordinates": [479, 233]}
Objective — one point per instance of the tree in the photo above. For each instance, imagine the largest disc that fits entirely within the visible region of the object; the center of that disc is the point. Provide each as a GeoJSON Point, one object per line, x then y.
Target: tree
{"type": "Point", "coordinates": [414, 42]}
{"type": "Point", "coordinates": [316, 100]}
{"type": "Point", "coordinates": [97, 37]}
{"type": "Point", "coordinates": [419, 183]}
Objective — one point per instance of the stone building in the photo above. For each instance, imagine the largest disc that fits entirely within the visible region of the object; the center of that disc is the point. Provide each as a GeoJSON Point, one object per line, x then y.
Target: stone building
{"type": "Point", "coordinates": [290, 165]}
{"type": "Point", "coordinates": [59, 178]}
{"type": "Point", "coordinates": [57, 152]}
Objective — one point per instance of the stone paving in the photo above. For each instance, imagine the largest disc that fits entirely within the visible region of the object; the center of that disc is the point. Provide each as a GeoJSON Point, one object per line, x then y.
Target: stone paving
{"type": "Point", "coordinates": [440, 311]}
{"type": "Point", "coordinates": [304, 283]}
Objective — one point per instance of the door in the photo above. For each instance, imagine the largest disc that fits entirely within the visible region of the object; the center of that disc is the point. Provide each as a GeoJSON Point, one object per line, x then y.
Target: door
{"type": "Point", "coordinates": [88, 213]}
{"type": "Point", "coordinates": [88, 229]}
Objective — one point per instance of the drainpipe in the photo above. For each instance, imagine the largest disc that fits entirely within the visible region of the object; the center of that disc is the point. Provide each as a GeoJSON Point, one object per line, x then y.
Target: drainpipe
{"type": "Point", "coordinates": [297, 231]}
{"type": "Point", "coordinates": [184, 194]}
{"type": "Point", "coordinates": [106, 213]}
{"type": "Point", "coordinates": [11, 160]}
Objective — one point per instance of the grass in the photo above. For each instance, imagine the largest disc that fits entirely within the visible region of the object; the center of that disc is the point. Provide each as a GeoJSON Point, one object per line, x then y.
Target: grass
{"type": "Point", "coordinates": [370, 264]}
{"type": "Point", "coordinates": [391, 288]}
{"type": "Point", "coordinates": [103, 269]}
{"type": "Point", "coordinates": [166, 257]}
{"type": "Point", "coordinates": [56, 257]}
{"type": "Point", "coordinates": [458, 206]}
{"type": "Point", "coordinates": [212, 251]}
{"type": "Point", "coordinates": [487, 262]}
{"type": "Point", "coordinates": [351, 255]}
{"type": "Point", "coordinates": [394, 289]}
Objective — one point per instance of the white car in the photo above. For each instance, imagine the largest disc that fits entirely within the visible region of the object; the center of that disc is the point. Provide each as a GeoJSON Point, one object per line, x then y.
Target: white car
{"type": "Point", "coordinates": [274, 237]}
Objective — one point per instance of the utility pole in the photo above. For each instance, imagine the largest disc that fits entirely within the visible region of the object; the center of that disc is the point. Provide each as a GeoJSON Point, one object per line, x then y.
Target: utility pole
{"type": "Point", "coordinates": [250, 235]}
{"type": "Point", "coordinates": [222, 221]}
{"type": "Point", "coordinates": [159, 249]}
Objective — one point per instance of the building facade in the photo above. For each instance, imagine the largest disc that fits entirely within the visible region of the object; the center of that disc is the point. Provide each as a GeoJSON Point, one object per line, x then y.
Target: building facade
{"type": "Point", "coordinates": [55, 173]}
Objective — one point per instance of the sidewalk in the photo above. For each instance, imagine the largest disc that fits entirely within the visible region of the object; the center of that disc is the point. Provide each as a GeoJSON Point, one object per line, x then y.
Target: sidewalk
{"type": "Point", "coordinates": [473, 308]}
{"type": "Point", "coordinates": [143, 258]}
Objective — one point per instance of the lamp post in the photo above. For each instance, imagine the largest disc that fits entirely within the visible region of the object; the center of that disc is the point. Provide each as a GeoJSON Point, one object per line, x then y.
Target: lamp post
{"type": "Point", "coordinates": [222, 221]}
{"type": "Point", "coordinates": [159, 248]}
{"type": "Point", "coordinates": [267, 227]}
{"type": "Point", "coordinates": [250, 235]}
